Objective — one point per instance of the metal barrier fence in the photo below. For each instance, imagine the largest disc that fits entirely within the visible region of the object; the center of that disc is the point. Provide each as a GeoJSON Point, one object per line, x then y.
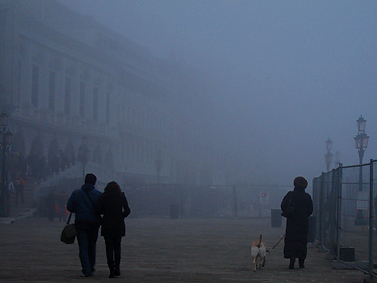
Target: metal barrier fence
{"type": "Point", "coordinates": [161, 200]}
{"type": "Point", "coordinates": [344, 204]}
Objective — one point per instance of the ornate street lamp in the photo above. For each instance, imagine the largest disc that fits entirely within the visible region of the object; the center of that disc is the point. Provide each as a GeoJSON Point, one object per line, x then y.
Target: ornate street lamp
{"type": "Point", "coordinates": [328, 156]}
{"type": "Point", "coordinates": [6, 141]}
{"type": "Point", "coordinates": [158, 163]}
{"type": "Point", "coordinates": [83, 154]}
{"type": "Point", "coordinates": [361, 142]}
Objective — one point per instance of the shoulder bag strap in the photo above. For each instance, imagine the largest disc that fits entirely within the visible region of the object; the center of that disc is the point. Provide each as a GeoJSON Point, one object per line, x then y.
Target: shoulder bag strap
{"type": "Point", "coordinates": [74, 203]}
{"type": "Point", "coordinates": [90, 199]}
{"type": "Point", "coordinates": [69, 218]}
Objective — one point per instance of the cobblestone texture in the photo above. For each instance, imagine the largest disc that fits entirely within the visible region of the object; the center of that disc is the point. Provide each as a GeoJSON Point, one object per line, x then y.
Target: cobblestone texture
{"type": "Point", "coordinates": [161, 250]}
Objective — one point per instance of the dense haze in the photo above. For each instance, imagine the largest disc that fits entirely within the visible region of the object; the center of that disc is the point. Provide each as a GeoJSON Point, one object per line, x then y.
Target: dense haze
{"type": "Point", "coordinates": [295, 73]}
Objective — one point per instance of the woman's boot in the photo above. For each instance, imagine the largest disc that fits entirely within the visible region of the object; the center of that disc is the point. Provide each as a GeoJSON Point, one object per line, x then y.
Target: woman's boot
{"type": "Point", "coordinates": [112, 270]}
{"type": "Point", "coordinates": [116, 270]}
{"type": "Point", "coordinates": [117, 259]}
{"type": "Point", "coordinates": [292, 263]}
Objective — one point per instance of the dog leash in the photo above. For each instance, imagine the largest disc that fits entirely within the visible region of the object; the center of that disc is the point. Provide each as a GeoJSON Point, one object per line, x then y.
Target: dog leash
{"type": "Point", "coordinates": [278, 241]}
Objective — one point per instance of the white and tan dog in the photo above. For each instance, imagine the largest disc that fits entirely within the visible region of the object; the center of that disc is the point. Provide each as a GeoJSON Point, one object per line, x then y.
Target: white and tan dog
{"type": "Point", "coordinates": [258, 254]}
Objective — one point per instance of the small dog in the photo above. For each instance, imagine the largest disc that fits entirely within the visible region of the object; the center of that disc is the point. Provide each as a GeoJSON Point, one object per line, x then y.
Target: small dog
{"type": "Point", "coordinates": [258, 254]}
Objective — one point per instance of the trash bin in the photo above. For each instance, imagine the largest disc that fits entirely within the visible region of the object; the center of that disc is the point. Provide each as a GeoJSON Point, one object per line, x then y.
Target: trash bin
{"type": "Point", "coordinates": [347, 254]}
{"type": "Point", "coordinates": [174, 211]}
{"type": "Point", "coordinates": [312, 229]}
{"type": "Point", "coordinates": [276, 219]}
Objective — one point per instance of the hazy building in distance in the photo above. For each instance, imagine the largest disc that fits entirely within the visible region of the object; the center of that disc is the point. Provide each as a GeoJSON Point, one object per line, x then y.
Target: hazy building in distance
{"type": "Point", "coordinates": [66, 78]}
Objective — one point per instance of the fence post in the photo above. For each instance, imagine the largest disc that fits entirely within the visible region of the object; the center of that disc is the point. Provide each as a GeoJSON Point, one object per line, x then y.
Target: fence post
{"type": "Point", "coordinates": [321, 201]}
{"type": "Point", "coordinates": [371, 219]}
{"type": "Point", "coordinates": [339, 207]}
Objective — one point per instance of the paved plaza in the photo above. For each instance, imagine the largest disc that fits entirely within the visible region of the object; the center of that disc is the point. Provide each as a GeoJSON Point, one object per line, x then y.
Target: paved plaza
{"type": "Point", "coordinates": [161, 250]}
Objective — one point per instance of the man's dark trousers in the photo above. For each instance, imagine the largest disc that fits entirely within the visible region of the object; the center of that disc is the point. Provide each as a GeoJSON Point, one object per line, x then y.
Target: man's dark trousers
{"type": "Point", "coordinates": [87, 238]}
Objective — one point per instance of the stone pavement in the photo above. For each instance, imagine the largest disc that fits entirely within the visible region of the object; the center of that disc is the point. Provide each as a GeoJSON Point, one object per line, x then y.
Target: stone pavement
{"type": "Point", "coordinates": [161, 250]}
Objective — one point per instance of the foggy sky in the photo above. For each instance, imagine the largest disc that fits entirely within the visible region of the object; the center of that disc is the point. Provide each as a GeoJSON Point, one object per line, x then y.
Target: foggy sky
{"type": "Point", "coordinates": [295, 72]}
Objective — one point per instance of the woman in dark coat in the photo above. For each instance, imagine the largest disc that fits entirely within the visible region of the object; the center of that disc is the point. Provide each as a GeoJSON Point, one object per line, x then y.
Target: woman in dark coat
{"type": "Point", "coordinates": [297, 227]}
{"type": "Point", "coordinates": [114, 207]}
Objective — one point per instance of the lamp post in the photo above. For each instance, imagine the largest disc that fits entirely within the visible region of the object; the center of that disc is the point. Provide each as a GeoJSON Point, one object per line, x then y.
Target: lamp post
{"type": "Point", "coordinates": [158, 163]}
{"type": "Point", "coordinates": [361, 142]}
{"type": "Point", "coordinates": [328, 156]}
{"type": "Point", "coordinates": [83, 154]}
{"type": "Point", "coordinates": [6, 141]}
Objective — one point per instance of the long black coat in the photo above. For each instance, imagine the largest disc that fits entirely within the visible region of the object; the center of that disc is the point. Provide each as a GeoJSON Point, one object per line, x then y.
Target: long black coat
{"type": "Point", "coordinates": [114, 208]}
{"type": "Point", "coordinates": [296, 232]}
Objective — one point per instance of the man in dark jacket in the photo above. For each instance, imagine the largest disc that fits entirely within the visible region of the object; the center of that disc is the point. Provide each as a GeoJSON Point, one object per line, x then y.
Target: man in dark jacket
{"type": "Point", "coordinates": [83, 203]}
{"type": "Point", "coordinates": [297, 227]}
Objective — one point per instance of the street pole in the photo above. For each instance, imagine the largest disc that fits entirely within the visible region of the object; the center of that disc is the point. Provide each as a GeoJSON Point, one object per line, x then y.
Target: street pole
{"type": "Point", "coordinates": [361, 155]}
{"type": "Point", "coordinates": [361, 140]}
{"type": "Point", "coordinates": [328, 156]}
{"type": "Point", "coordinates": [6, 140]}
{"type": "Point", "coordinates": [3, 178]}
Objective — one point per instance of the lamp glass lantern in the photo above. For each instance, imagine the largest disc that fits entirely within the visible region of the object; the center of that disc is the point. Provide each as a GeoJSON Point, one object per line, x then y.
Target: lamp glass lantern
{"type": "Point", "coordinates": [361, 141]}
{"type": "Point", "coordinates": [358, 141]}
{"type": "Point", "coordinates": [361, 124]}
{"type": "Point", "coordinates": [364, 140]}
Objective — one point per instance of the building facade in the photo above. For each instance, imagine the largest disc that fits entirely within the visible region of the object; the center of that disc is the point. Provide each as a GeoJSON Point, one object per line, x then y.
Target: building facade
{"type": "Point", "coordinates": [65, 78]}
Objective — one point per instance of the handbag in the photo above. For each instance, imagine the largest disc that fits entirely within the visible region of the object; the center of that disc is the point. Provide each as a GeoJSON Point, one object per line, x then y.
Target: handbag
{"type": "Point", "coordinates": [289, 209]}
{"type": "Point", "coordinates": [69, 232]}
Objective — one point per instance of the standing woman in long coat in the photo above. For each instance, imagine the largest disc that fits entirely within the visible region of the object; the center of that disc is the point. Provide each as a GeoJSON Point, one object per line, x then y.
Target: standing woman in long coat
{"type": "Point", "coordinates": [114, 207]}
{"type": "Point", "coordinates": [297, 227]}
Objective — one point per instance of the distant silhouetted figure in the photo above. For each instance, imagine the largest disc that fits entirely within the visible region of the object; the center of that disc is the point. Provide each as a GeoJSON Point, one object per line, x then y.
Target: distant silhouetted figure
{"type": "Point", "coordinates": [55, 165]}
{"type": "Point", "coordinates": [19, 186]}
{"type": "Point", "coordinates": [64, 162]}
{"type": "Point", "coordinates": [21, 165]}
{"type": "Point", "coordinates": [62, 200]}
{"type": "Point", "coordinates": [10, 190]}
{"type": "Point", "coordinates": [51, 204]}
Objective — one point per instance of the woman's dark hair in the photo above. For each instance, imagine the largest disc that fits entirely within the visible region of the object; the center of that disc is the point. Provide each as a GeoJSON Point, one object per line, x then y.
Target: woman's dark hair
{"type": "Point", "coordinates": [300, 182]}
{"type": "Point", "coordinates": [112, 188]}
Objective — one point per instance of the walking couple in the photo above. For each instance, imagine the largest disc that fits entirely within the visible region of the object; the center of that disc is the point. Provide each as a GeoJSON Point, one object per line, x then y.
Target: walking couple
{"type": "Point", "coordinates": [89, 204]}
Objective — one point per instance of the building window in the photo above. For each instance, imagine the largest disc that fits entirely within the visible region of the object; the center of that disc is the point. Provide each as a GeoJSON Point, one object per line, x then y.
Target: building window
{"type": "Point", "coordinates": [35, 85]}
{"type": "Point", "coordinates": [95, 104]}
{"type": "Point", "coordinates": [107, 108]}
{"type": "Point", "coordinates": [82, 100]}
{"type": "Point", "coordinates": [67, 100]}
{"type": "Point", "coordinates": [51, 91]}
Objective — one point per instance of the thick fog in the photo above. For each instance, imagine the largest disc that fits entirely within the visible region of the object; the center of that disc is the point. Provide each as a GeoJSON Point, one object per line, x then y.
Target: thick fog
{"type": "Point", "coordinates": [291, 74]}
